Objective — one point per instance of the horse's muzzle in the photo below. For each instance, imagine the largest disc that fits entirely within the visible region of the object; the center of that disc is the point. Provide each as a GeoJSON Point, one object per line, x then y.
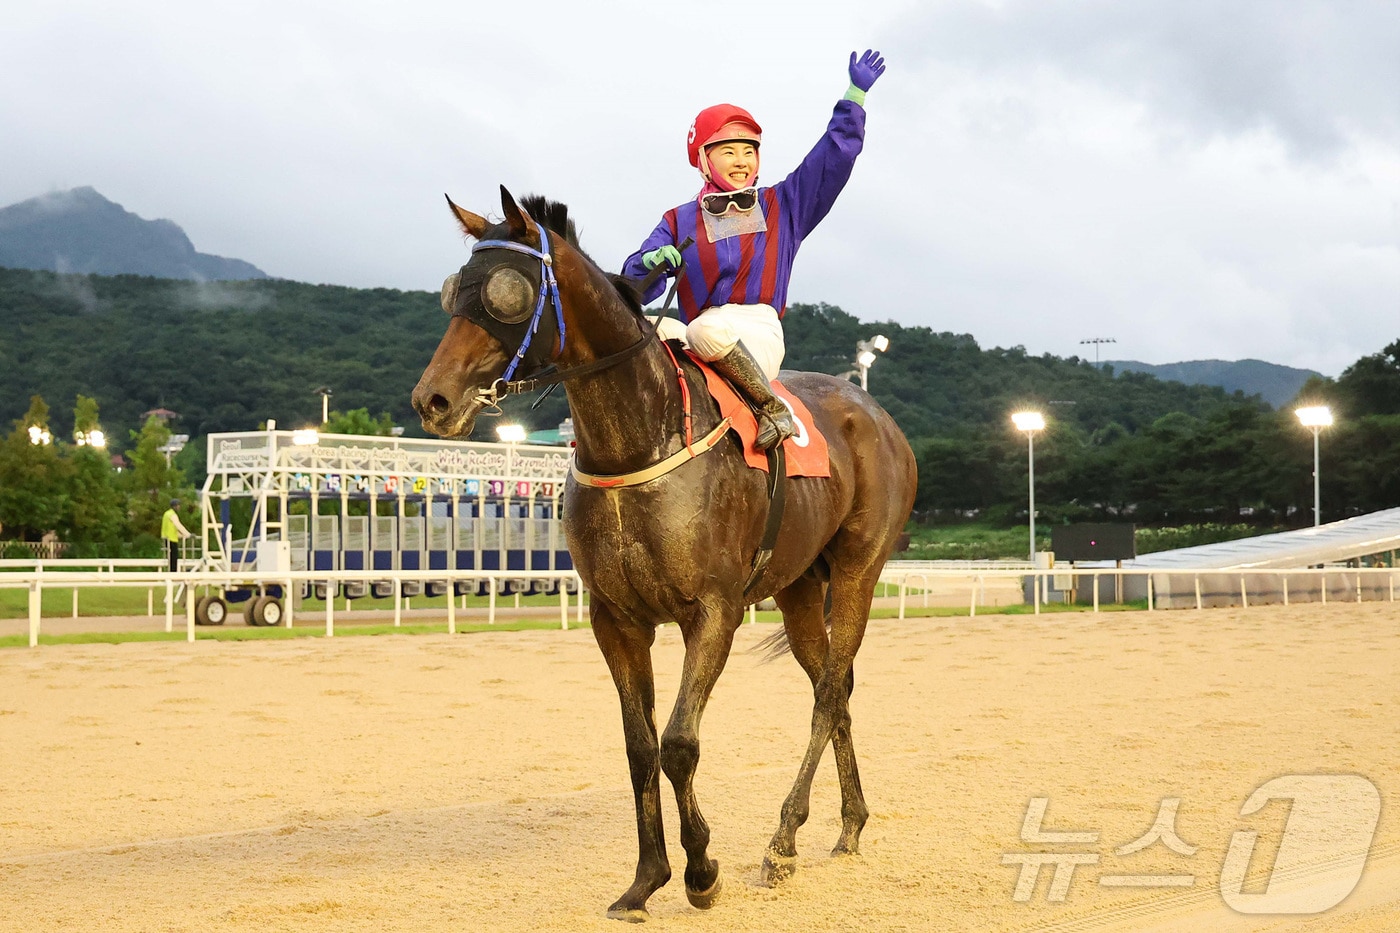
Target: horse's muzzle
{"type": "Point", "coordinates": [438, 416]}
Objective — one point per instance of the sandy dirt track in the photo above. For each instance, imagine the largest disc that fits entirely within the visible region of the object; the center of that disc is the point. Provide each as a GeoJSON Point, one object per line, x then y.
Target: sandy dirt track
{"type": "Point", "coordinates": [478, 782]}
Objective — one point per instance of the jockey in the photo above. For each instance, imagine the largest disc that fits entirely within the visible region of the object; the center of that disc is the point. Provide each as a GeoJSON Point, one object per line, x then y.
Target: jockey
{"type": "Point", "coordinates": [733, 290]}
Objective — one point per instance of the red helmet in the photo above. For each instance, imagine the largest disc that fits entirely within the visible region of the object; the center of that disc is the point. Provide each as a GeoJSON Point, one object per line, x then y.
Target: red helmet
{"type": "Point", "coordinates": [719, 123]}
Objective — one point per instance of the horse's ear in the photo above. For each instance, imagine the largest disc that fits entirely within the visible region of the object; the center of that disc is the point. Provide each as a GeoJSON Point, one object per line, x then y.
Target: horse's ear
{"type": "Point", "coordinates": [472, 224]}
{"type": "Point", "coordinates": [519, 220]}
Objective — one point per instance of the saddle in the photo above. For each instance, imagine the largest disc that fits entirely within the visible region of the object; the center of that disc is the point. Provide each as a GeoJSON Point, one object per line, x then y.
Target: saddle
{"type": "Point", "coordinates": [806, 451]}
{"type": "Point", "coordinates": [803, 454]}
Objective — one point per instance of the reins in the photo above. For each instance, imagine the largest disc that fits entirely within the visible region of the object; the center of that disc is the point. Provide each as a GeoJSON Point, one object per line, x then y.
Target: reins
{"type": "Point", "coordinates": [552, 376]}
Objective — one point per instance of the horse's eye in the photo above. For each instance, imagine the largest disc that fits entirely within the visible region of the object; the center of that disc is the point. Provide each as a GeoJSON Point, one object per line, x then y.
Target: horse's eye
{"type": "Point", "coordinates": [508, 295]}
{"type": "Point", "coordinates": [449, 292]}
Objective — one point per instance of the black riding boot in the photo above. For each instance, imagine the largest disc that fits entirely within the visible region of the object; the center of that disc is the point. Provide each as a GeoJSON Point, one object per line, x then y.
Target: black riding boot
{"type": "Point", "coordinates": [774, 419]}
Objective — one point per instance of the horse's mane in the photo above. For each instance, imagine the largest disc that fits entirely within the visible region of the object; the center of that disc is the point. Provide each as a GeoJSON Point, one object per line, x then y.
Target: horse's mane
{"type": "Point", "coordinates": [555, 217]}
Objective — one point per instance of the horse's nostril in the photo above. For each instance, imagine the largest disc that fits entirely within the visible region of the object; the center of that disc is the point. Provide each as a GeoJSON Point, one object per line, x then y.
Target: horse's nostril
{"type": "Point", "coordinates": [437, 404]}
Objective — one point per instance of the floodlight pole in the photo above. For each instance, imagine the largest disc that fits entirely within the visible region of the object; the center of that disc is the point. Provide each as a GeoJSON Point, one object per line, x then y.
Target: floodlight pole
{"type": "Point", "coordinates": [1097, 342]}
{"type": "Point", "coordinates": [865, 357]}
{"type": "Point", "coordinates": [1030, 456]}
{"type": "Point", "coordinates": [1315, 418]}
{"type": "Point", "coordinates": [1030, 422]}
{"type": "Point", "coordinates": [1317, 478]}
{"type": "Point", "coordinates": [325, 393]}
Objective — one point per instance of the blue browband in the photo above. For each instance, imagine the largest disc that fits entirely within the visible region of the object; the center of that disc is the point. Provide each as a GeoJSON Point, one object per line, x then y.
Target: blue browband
{"type": "Point", "coordinates": [548, 287]}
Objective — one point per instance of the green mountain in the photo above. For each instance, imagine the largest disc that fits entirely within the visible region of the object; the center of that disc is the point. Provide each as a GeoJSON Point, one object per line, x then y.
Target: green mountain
{"type": "Point", "coordinates": [228, 355]}
{"type": "Point", "coordinates": [1278, 385]}
{"type": "Point", "coordinates": [223, 355]}
{"type": "Point", "coordinates": [81, 231]}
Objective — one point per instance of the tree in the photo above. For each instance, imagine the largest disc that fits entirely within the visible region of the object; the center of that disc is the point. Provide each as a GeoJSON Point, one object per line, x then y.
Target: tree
{"type": "Point", "coordinates": [85, 416]}
{"type": "Point", "coordinates": [358, 421]}
{"type": "Point", "coordinates": [33, 480]}
{"type": "Point", "coordinates": [96, 510]}
{"type": "Point", "coordinates": [152, 482]}
{"type": "Point", "coordinates": [962, 473]}
{"type": "Point", "coordinates": [1371, 385]}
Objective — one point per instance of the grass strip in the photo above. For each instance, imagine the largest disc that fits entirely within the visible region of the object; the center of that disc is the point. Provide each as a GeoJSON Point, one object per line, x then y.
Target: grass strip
{"type": "Point", "coordinates": [301, 630]}
{"type": "Point", "coordinates": [309, 629]}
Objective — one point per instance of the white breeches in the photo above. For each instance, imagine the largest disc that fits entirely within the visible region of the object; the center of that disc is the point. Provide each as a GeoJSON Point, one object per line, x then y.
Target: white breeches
{"type": "Point", "coordinates": [715, 331]}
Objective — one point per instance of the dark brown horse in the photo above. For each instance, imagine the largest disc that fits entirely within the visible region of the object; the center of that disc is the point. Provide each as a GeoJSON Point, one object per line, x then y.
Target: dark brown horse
{"type": "Point", "coordinates": [677, 548]}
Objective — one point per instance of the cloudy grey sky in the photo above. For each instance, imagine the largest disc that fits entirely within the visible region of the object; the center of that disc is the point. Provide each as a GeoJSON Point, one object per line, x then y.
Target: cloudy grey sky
{"type": "Point", "coordinates": [1193, 178]}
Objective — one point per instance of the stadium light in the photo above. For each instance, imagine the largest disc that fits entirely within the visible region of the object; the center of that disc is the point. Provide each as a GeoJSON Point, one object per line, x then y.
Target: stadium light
{"type": "Point", "coordinates": [1030, 422]}
{"type": "Point", "coordinates": [325, 393]}
{"type": "Point", "coordinates": [511, 433]}
{"type": "Point", "coordinates": [305, 437]}
{"type": "Point", "coordinates": [865, 356]}
{"type": "Point", "coordinates": [93, 438]}
{"type": "Point", "coordinates": [39, 436]}
{"type": "Point", "coordinates": [177, 443]}
{"type": "Point", "coordinates": [1315, 417]}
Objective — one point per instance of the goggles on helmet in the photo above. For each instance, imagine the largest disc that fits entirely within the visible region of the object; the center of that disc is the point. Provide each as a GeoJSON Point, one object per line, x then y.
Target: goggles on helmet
{"type": "Point", "coordinates": [718, 203]}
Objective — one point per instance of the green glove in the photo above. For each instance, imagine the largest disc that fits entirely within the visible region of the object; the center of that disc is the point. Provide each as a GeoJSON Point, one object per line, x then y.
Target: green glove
{"type": "Point", "coordinates": [668, 254]}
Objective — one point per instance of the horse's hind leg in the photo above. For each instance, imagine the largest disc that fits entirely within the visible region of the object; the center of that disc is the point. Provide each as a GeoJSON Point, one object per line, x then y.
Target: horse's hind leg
{"type": "Point", "coordinates": [854, 812]}
{"type": "Point", "coordinates": [707, 644]}
{"type": "Point", "coordinates": [804, 617]}
{"type": "Point", "coordinates": [627, 649]}
{"type": "Point", "coordinates": [850, 607]}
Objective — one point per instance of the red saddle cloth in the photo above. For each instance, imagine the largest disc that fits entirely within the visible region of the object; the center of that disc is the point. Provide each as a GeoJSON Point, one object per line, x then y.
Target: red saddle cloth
{"type": "Point", "coordinates": [806, 451]}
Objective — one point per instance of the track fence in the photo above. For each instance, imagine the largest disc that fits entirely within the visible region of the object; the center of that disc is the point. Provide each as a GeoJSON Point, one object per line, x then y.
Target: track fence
{"type": "Point", "coordinates": [1088, 586]}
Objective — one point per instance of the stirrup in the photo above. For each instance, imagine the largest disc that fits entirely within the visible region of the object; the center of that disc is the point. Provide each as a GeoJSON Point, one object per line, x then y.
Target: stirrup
{"type": "Point", "coordinates": [773, 430]}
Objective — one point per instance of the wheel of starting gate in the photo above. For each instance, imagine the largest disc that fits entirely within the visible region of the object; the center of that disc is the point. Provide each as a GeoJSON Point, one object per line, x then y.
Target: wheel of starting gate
{"type": "Point", "coordinates": [266, 610]}
{"type": "Point", "coordinates": [210, 610]}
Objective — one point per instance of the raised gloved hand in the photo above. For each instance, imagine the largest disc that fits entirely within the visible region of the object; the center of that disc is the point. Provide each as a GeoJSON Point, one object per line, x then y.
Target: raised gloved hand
{"type": "Point", "coordinates": [865, 71]}
{"type": "Point", "coordinates": [667, 254]}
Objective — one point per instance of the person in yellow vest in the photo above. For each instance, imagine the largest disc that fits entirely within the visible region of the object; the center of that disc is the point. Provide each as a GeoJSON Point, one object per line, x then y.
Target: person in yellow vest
{"type": "Point", "coordinates": [173, 531]}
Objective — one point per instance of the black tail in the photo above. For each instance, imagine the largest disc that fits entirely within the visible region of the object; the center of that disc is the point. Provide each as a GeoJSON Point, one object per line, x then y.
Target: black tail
{"type": "Point", "coordinates": [776, 645]}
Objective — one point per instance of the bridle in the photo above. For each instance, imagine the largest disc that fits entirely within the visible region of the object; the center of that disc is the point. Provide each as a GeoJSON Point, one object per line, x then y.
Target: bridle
{"type": "Point", "coordinates": [551, 375]}
{"type": "Point", "coordinates": [549, 289]}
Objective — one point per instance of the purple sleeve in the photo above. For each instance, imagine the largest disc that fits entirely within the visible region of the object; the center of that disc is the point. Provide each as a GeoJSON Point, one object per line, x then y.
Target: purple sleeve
{"type": "Point", "coordinates": [810, 191]}
{"type": "Point", "coordinates": [633, 267]}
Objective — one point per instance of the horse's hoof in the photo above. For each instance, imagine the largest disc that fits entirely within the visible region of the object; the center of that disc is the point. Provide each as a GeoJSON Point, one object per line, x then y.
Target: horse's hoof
{"type": "Point", "coordinates": [704, 900]}
{"type": "Point", "coordinates": [629, 914]}
{"type": "Point", "coordinates": [844, 849]}
{"type": "Point", "coordinates": [777, 868]}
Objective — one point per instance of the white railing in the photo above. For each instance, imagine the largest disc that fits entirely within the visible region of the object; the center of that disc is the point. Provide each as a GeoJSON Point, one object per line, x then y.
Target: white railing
{"type": "Point", "coordinates": [959, 565]}
{"type": "Point", "coordinates": [188, 582]}
{"type": "Point", "coordinates": [77, 563]}
{"type": "Point", "coordinates": [1162, 589]}
{"type": "Point", "coordinates": [1166, 588]}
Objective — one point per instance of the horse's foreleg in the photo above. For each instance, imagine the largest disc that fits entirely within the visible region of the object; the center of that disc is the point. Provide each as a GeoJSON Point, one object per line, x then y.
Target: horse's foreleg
{"type": "Point", "coordinates": [627, 649]}
{"type": "Point", "coordinates": [706, 650]}
{"type": "Point", "coordinates": [850, 607]}
{"type": "Point", "coordinates": [805, 621]}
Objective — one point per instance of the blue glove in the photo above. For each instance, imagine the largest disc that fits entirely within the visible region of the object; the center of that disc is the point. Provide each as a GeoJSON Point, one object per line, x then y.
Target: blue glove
{"type": "Point", "coordinates": [667, 254]}
{"type": "Point", "coordinates": [864, 72]}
